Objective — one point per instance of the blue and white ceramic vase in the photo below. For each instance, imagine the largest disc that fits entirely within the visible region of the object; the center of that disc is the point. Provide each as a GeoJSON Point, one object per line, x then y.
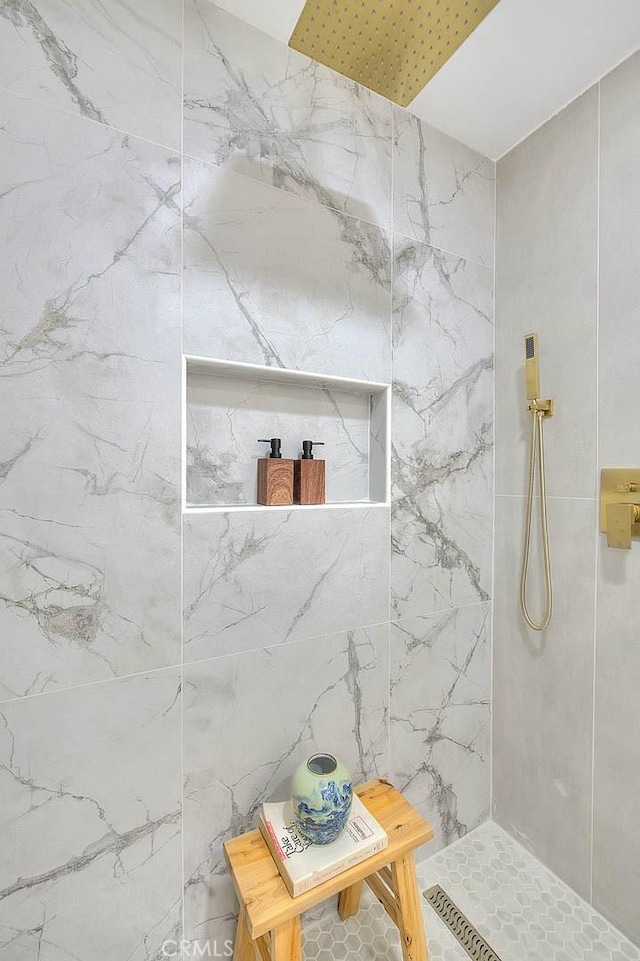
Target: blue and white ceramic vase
{"type": "Point", "coordinates": [321, 794]}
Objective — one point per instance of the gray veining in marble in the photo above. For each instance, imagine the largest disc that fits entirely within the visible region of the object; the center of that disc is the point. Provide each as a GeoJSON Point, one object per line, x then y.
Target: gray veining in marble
{"type": "Point", "coordinates": [112, 62]}
{"type": "Point", "coordinates": [90, 827]}
{"type": "Point", "coordinates": [442, 431]}
{"type": "Point", "coordinates": [226, 415]}
{"type": "Point", "coordinates": [443, 192]}
{"type": "Point", "coordinates": [260, 109]}
{"type": "Point", "coordinates": [260, 578]}
{"type": "Point", "coordinates": [329, 693]}
{"type": "Point", "coordinates": [274, 280]}
{"type": "Point", "coordinates": [440, 717]}
{"type": "Point", "coordinates": [90, 382]}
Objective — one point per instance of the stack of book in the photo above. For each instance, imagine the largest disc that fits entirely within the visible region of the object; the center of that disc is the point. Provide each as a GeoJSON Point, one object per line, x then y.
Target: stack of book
{"type": "Point", "coordinates": [304, 865]}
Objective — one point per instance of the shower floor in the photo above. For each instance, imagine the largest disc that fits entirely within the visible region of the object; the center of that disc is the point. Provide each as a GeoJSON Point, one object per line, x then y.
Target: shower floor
{"type": "Point", "coordinates": [520, 908]}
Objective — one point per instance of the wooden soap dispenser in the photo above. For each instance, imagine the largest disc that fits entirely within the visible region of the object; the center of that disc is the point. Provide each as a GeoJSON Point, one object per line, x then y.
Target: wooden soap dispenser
{"type": "Point", "coordinates": [309, 476]}
{"type": "Point", "coordinates": [275, 476]}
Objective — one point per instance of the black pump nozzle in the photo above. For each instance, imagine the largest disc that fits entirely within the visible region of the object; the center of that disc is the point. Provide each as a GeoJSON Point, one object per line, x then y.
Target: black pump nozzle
{"type": "Point", "coordinates": [275, 445]}
{"type": "Point", "coordinates": [307, 448]}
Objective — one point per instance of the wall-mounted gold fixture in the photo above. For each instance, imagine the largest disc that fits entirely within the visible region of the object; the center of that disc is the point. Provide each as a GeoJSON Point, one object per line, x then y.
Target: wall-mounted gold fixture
{"type": "Point", "coordinates": [540, 410]}
{"type": "Point", "coordinates": [620, 505]}
{"type": "Point", "coordinates": [391, 46]}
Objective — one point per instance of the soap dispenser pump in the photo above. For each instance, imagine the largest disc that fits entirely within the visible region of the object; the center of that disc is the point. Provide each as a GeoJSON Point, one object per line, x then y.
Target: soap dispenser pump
{"type": "Point", "coordinates": [275, 476]}
{"type": "Point", "coordinates": [309, 476]}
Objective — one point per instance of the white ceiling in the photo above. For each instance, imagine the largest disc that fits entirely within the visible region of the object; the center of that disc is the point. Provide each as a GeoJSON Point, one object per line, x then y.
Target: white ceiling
{"type": "Point", "coordinates": [526, 60]}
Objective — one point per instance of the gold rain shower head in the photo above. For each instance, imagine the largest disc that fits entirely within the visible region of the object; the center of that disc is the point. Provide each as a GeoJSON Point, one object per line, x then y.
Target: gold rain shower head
{"type": "Point", "coordinates": [391, 46]}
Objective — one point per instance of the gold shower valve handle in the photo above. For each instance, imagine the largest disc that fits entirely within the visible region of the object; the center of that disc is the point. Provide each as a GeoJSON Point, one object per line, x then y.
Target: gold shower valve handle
{"type": "Point", "coordinates": [620, 505]}
{"type": "Point", "coordinates": [620, 521]}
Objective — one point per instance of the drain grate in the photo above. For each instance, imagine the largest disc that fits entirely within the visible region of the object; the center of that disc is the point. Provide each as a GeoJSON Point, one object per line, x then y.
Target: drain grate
{"type": "Point", "coordinates": [460, 926]}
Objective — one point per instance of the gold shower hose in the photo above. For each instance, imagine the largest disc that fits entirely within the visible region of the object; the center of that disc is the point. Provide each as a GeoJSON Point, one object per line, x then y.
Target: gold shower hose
{"type": "Point", "coordinates": [537, 442]}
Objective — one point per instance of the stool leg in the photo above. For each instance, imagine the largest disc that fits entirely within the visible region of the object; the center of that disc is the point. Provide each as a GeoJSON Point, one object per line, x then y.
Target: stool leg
{"type": "Point", "coordinates": [286, 942]}
{"type": "Point", "coordinates": [349, 900]}
{"type": "Point", "coordinates": [243, 949]}
{"type": "Point", "coordinates": [410, 923]}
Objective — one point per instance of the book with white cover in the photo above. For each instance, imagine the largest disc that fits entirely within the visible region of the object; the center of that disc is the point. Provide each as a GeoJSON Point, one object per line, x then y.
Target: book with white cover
{"type": "Point", "coordinates": [304, 865]}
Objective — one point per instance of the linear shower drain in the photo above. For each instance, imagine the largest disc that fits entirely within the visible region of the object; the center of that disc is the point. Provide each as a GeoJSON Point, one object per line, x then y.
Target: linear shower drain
{"type": "Point", "coordinates": [460, 926]}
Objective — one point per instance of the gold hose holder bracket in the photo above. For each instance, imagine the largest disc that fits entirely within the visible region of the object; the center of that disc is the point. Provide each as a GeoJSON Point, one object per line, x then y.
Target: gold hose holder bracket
{"type": "Point", "coordinates": [544, 407]}
{"type": "Point", "coordinates": [620, 505]}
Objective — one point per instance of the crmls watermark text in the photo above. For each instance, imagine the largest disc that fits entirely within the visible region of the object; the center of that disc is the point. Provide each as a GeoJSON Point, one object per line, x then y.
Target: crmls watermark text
{"type": "Point", "coordinates": [197, 949]}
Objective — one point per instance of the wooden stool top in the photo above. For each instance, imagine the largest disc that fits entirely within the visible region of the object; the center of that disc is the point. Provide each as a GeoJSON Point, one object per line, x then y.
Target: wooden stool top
{"type": "Point", "coordinates": [263, 892]}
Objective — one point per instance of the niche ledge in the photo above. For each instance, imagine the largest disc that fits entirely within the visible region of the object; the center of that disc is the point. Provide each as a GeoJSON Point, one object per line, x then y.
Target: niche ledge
{"type": "Point", "coordinates": [227, 406]}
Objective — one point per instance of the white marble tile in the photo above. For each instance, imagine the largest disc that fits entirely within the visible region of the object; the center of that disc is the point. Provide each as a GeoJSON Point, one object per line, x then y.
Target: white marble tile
{"type": "Point", "coordinates": [90, 383]}
{"type": "Point", "coordinates": [90, 823]}
{"type": "Point", "coordinates": [256, 107]}
{"type": "Point", "coordinates": [616, 880]}
{"type": "Point", "coordinates": [443, 192]}
{"type": "Point", "coordinates": [272, 279]}
{"type": "Point", "coordinates": [440, 717]}
{"type": "Point", "coordinates": [226, 415]}
{"type": "Point", "coordinates": [329, 693]}
{"type": "Point", "coordinates": [442, 431]}
{"type": "Point", "coordinates": [546, 282]}
{"type": "Point", "coordinates": [543, 688]}
{"type": "Point", "coordinates": [113, 62]}
{"type": "Point", "coordinates": [260, 578]}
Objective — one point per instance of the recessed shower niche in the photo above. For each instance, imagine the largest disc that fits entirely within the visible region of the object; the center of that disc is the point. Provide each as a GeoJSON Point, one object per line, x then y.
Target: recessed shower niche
{"type": "Point", "coordinates": [228, 406]}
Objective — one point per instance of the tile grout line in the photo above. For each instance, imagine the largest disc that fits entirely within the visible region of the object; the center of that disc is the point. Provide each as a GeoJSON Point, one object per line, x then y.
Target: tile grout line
{"type": "Point", "coordinates": [595, 573]}
{"type": "Point", "coordinates": [389, 227]}
{"type": "Point", "coordinates": [302, 198]}
{"type": "Point", "coordinates": [269, 647]}
{"type": "Point", "coordinates": [182, 482]}
{"type": "Point", "coordinates": [23, 698]}
{"type": "Point", "coordinates": [6, 94]}
{"type": "Point", "coordinates": [444, 250]}
{"type": "Point", "coordinates": [493, 499]}
{"type": "Point", "coordinates": [392, 247]}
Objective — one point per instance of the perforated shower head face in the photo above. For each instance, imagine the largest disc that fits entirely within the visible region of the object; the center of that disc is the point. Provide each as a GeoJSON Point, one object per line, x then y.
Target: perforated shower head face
{"type": "Point", "coordinates": [531, 367]}
{"type": "Point", "coordinates": [391, 46]}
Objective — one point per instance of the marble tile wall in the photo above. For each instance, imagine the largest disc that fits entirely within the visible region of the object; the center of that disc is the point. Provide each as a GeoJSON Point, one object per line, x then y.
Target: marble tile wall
{"type": "Point", "coordinates": [278, 237]}
{"type": "Point", "coordinates": [91, 820]}
{"type": "Point", "coordinates": [255, 107]}
{"type": "Point", "coordinates": [442, 476]}
{"type": "Point", "coordinates": [565, 703]}
{"type": "Point", "coordinates": [90, 383]}
{"type": "Point", "coordinates": [440, 716]}
{"type": "Point", "coordinates": [272, 279]}
{"type": "Point", "coordinates": [238, 590]}
{"type": "Point", "coordinates": [114, 63]}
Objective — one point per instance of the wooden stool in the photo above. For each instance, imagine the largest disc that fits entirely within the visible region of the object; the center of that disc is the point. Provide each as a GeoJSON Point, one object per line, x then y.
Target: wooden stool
{"type": "Point", "coordinates": [269, 919]}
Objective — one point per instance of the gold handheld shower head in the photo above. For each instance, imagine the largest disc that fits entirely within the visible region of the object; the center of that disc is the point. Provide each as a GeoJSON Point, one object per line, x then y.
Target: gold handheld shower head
{"type": "Point", "coordinates": [531, 366]}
